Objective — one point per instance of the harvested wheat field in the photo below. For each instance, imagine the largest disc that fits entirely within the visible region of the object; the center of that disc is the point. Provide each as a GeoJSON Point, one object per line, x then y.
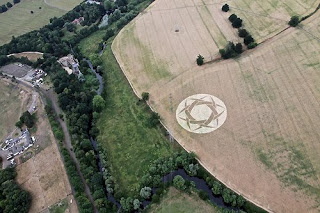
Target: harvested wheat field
{"type": "Point", "coordinates": [268, 146]}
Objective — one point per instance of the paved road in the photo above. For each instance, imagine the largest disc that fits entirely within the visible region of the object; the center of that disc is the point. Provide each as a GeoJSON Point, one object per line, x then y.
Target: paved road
{"type": "Point", "coordinates": [67, 141]}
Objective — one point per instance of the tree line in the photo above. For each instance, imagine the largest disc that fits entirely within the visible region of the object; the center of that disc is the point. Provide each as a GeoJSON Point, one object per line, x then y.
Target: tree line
{"type": "Point", "coordinates": [4, 8]}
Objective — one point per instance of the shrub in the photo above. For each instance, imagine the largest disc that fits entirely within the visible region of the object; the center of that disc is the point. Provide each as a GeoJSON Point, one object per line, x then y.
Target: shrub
{"type": "Point", "coordinates": [252, 45]}
{"type": "Point", "coordinates": [145, 192]}
{"type": "Point", "coordinates": [9, 5]}
{"type": "Point", "coordinates": [154, 119]}
{"type": "Point", "coordinates": [225, 8]}
{"type": "Point", "coordinates": [248, 39]}
{"type": "Point", "coordinates": [242, 33]}
{"type": "Point", "coordinates": [145, 96]}
{"type": "Point", "coordinates": [109, 34]}
{"type": "Point", "coordinates": [229, 51]}
{"type": "Point", "coordinates": [179, 182]}
{"type": "Point", "coordinates": [237, 23]}
{"type": "Point", "coordinates": [3, 9]}
{"type": "Point", "coordinates": [238, 48]}
{"type": "Point", "coordinates": [200, 60]}
{"type": "Point", "coordinates": [155, 198]}
{"type": "Point", "coordinates": [203, 195]}
{"type": "Point", "coordinates": [233, 17]}
{"type": "Point", "coordinates": [136, 204]}
{"type": "Point", "coordinates": [294, 21]}
{"type": "Point", "coordinates": [216, 188]}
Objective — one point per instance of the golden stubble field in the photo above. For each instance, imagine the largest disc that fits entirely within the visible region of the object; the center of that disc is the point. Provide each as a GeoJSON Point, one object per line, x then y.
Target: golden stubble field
{"type": "Point", "coordinates": [268, 149]}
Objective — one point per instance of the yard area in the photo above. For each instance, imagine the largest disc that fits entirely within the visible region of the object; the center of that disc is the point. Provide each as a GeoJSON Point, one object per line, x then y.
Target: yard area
{"type": "Point", "coordinates": [176, 201]}
{"type": "Point", "coordinates": [124, 130]}
{"type": "Point", "coordinates": [19, 20]}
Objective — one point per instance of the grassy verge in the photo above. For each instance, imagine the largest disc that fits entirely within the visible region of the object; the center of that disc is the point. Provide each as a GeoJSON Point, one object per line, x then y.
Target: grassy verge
{"type": "Point", "coordinates": [176, 201]}
{"type": "Point", "coordinates": [124, 129]}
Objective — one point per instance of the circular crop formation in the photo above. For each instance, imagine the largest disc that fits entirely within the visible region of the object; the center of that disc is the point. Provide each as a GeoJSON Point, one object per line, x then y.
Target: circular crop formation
{"type": "Point", "coordinates": [201, 113]}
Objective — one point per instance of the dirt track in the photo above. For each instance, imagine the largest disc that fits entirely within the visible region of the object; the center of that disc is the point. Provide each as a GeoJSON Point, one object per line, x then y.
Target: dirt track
{"type": "Point", "coordinates": [269, 140]}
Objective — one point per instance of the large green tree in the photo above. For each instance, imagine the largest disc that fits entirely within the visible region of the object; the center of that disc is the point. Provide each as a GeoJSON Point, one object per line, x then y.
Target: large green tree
{"type": "Point", "coordinates": [98, 103]}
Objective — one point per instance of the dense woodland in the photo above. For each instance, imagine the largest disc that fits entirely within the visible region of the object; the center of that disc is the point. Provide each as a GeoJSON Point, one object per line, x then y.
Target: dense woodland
{"type": "Point", "coordinates": [12, 198]}
{"type": "Point", "coordinates": [79, 102]}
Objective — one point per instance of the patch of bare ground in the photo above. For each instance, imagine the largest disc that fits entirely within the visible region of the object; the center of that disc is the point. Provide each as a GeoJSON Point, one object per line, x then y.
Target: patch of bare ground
{"type": "Point", "coordinates": [268, 149]}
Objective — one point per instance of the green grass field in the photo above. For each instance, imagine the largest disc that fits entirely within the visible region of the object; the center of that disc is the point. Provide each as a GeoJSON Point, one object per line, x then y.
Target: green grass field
{"type": "Point", "coordinates": [124, 133]}
{"type": "Point", "coordinates": [176, 202]}
{"type": "Point", "coordinates": [11, 105]}
{"type": "Point", "coordinates": [18, 20]}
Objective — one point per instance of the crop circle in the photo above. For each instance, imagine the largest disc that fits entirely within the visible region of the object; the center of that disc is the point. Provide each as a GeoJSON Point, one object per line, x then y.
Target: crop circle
{"type": "Point", "coordinates": [201, 113]}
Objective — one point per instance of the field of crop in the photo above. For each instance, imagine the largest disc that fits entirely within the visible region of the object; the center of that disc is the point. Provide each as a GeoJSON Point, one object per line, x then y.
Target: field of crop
{"type": "Point", "coordinates": [176, 201]}
{"type": "Point", "coordinates": [19, 20]}
{"type": "Point", "coordinates": [124, 130]}
{"type": "Point", "coordinates": [266, 18]}
{"type": "Point", "coordinates": [268, 149]}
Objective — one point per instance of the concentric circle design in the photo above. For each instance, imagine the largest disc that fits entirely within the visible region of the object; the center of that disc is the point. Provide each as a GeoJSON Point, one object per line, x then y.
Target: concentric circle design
{"type": "Point", "coordinates": [201, 113]}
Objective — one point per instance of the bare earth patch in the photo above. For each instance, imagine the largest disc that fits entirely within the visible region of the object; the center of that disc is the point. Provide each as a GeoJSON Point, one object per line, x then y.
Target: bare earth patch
{"type": "Point", "coordinates": [268, 148]}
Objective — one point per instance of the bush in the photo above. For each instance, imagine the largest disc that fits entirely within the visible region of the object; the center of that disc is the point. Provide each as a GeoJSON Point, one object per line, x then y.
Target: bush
{"type": "Point", "coordinates": [233, 17]}
{"type": "Point", "coordinates": [200, 60]}
{"type": "Point", "coordinates": [9, 5]}
{"type": "Point", "coordinates": [238, 48]}
{"type": "Point", "coordinates": [252, 45]}
{"type": "Point", "coordinates": [242, 33]}
{"type": "Point", "coordinates": [145, 192]}
{"type": "Point", "coordinates": [3, 9]}
{"type": "Point", "coordinates": [237, 23]}
{"type": "Point", "coordinates": [229, 51]}
{"type": "Point", "coordinates": [216, 188]}
{"type": "Point", "coordinates": [154, 119]}
{"type": "Point", "coordinates": [294, 21]}
{"type": "Point", "coordinates": [145, 96]}
{"type": "Point", "coordinates": [248, 39]}
{"type": "Point", "coordinates": [109, 34]}
{"type": "Point", "coordinates": [203, 195]}
{"type": "Point", "coordinates": [179, 182]}
{"type": "Point", "coordinates": [225, 8]}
